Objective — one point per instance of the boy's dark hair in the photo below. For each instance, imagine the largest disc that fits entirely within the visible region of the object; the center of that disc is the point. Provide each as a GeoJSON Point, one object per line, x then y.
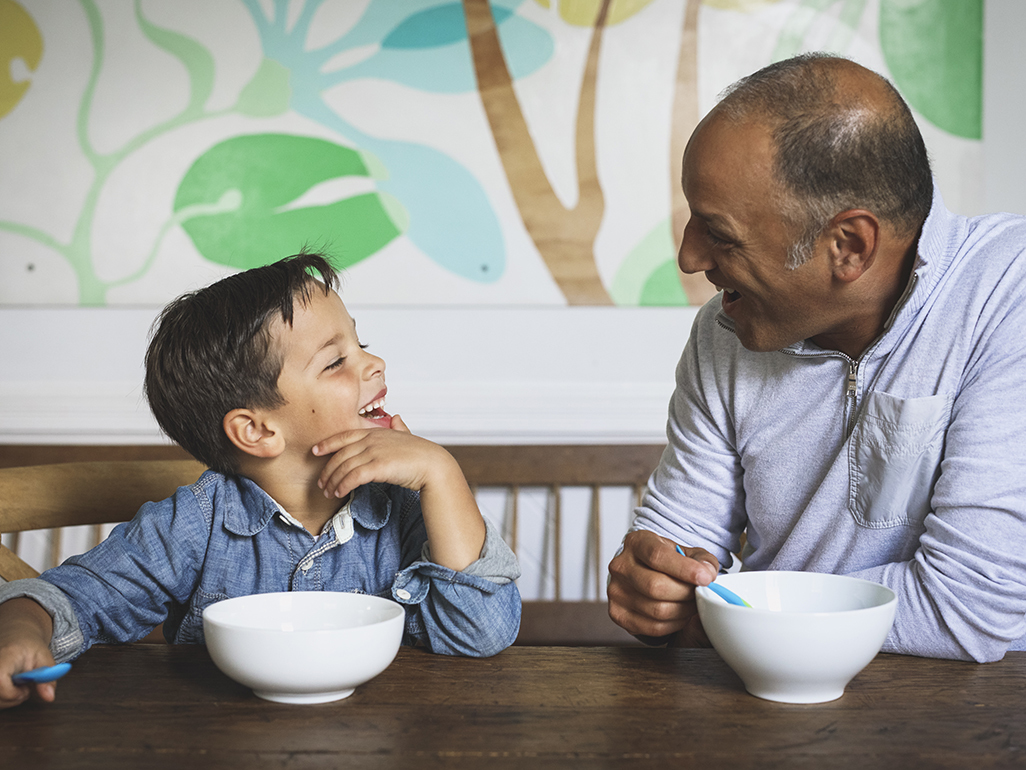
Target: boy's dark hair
{"type": "Point", "coordinates": [211, 352]}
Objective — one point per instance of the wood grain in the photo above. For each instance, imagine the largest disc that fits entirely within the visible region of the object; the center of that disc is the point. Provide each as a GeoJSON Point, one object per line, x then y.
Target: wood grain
{"type": "Point", "coordinates": [528, 707]}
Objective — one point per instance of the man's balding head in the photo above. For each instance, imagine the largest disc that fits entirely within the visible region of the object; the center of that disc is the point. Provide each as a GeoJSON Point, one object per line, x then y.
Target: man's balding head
{"type": "Point", "coordinates": [843, 139]}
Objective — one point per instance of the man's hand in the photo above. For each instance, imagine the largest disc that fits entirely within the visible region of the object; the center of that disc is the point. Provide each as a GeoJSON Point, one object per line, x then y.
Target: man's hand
{"type": "Point", "coordinates": [652, 588]}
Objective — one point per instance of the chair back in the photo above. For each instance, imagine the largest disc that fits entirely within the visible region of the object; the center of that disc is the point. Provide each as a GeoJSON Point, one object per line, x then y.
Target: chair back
{"type": "Point", "coordinates": [63, 494]}
{"type": "Point", "coordinates": [81, 493]}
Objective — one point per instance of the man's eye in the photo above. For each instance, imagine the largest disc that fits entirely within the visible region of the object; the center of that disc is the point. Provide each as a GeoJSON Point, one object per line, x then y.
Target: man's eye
{"type": "Point", "coordinates": [715, 240]}
{"type": "Point", "coordinates": [335, 364]}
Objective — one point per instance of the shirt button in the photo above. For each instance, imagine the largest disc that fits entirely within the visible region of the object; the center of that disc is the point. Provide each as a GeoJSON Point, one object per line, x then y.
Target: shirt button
{"type": "Point", "coordinates": [403, 594]}
{"type": "Point", "coordinates": [305, 566]}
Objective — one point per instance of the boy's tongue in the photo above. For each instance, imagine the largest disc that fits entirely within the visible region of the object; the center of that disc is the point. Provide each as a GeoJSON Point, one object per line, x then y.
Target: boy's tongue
{"type": "Point", "coordinates": [379, 417]}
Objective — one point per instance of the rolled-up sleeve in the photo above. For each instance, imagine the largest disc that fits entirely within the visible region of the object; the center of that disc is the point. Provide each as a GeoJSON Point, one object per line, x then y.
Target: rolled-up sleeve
{"type": "Point", "coordinates": [67, 642]}
{"type": "Point", "coordinates": [473, 612]}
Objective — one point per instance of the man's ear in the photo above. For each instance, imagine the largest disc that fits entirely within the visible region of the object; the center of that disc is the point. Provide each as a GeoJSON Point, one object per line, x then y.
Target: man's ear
{"type": "Point", "coordinates": [854, 237]}
{"type": "Point", "coordinates": [252, 433]}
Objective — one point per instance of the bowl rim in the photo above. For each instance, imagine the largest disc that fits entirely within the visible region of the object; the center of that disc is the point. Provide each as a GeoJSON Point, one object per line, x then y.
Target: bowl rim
{"type": "Point", "coordinates": [210, 614]}
{"type": "Point", "coordinates": [709, 597]}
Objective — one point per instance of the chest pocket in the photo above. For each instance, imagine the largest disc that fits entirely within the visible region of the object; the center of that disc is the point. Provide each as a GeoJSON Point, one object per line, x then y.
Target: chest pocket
{"type": "Point", "coordinates": [895, 455]}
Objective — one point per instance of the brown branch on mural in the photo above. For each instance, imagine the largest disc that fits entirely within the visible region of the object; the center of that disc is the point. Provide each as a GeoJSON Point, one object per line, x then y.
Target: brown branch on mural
{"type": "Point", "coordinates": [565, 238]}
{"type": "Point", "coordinates": [685, 118]}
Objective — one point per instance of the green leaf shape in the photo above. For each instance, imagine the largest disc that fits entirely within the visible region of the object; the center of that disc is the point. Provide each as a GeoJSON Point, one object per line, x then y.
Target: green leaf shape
{"type": "Point", "coordinates": [19, 39]}
{"type": "Point", "coordinates": [194, 57]}
{"type": "Point", "coordinates": [663, 287]}
{"type": "Point", "coordinates": [934, 50]}
{"type": "Point", "coordinates": [648, 274]}
{"type": "Point", "coordinates": [251, 180]}
{"type": "Point", "coordinates": [267, 93]}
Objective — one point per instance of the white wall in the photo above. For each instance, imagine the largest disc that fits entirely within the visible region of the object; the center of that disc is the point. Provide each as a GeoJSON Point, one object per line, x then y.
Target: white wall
{"type": "Point", "coordinates": [473, 375]}
{"type": "Point", "coordinates": [469, 375]}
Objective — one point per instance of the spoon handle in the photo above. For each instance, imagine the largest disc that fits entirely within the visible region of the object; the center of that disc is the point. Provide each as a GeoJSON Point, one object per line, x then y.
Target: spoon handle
{"type": "Point", "coordinates": [727, 595]}
{"type": "Point", "coordinates": [39, 675]}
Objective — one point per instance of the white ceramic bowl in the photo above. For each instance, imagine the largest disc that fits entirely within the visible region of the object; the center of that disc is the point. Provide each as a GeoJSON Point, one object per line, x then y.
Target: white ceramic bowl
{"type": "Point", "coordinates": [304, 646]}
{"type": "Point", "coordinates": [806, 635]}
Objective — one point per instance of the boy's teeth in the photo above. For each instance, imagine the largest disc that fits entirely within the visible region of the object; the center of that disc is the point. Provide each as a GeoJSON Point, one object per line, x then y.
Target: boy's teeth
{"type": "Point", "coordinates": [372, 407]}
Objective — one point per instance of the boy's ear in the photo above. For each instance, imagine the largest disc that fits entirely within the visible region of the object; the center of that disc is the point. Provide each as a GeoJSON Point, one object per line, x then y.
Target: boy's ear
{"type": "Point", "coordinates": [854, 236]}
{"type": "Point", "coordinates": [252, 433]}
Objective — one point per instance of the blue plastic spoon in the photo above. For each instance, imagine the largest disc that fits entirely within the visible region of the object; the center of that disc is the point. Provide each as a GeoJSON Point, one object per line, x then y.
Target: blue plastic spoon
{"type": "Point", "coordinates": [40, 675]}
{"type": "Point", "coordinates": [724, 593]}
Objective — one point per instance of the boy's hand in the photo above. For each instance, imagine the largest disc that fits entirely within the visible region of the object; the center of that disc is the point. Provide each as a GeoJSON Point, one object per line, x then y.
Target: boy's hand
{"type": "Point", "coordinates": [393, 456]}
{"type": "Point", "coordinates": [25, 628]}
{"type": "Point", "coordinates": [455, 529]}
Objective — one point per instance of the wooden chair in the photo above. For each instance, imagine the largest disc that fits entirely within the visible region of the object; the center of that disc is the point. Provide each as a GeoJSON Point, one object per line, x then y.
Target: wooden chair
{"type": "Point", "coordinates": [80, 493]}
{"type": "Point", "coordinates": [559, 622]}
{"type": "Point", "coordinates": [108, 488]}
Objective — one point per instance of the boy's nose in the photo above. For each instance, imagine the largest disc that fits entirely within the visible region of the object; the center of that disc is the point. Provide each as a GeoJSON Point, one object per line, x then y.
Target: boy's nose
{"type": "Point", "coordinates": [374, 366]}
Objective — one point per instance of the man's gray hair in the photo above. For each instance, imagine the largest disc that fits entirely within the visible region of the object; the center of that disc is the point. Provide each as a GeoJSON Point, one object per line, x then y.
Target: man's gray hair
{"type": "Point", "coordinates": [834, 150]}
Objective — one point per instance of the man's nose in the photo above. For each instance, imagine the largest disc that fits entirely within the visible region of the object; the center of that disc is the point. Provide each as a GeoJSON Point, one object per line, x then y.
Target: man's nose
{"type": "Point", "coordinates": [692, 258]}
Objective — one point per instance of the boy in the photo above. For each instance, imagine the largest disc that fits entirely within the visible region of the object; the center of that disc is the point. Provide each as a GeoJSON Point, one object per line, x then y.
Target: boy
{"type": "Point", "coordinates": [312, 486]}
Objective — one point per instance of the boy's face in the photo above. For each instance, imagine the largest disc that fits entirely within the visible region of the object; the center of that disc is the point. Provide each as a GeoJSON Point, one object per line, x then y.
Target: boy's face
{"type": "Point", "coordinates": [329, 382]}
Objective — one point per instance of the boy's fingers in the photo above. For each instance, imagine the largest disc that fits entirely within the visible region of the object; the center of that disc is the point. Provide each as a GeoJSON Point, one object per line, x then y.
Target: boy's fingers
{"type": "Point", "coordinates": [336, 442]}
{"type": "Point", "coordinates": [398, 424]}
{"type": "Point", "coordinates": [47, 691]}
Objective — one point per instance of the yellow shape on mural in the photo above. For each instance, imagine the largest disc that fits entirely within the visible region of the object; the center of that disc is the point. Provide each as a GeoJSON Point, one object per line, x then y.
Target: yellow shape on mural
{"type": "Point", "coordinates": [582, 13]}
{"type": "Point", "coordinates": [21, 48]}
{"type": "Point", "coordinates": [743, 6]}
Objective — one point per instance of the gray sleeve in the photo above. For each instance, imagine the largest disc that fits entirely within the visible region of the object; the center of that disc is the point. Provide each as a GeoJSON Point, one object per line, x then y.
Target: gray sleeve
{"type": "Point", "coordinates": [67, 640]}
{"type": "Point", "coordinates": [496, 562]}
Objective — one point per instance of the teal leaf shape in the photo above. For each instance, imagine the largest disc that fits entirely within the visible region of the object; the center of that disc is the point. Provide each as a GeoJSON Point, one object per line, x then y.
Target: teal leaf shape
{"type": "Point", "coordinates": [434, 27]}
{"type": "Point", "coordinates": [234, 202]}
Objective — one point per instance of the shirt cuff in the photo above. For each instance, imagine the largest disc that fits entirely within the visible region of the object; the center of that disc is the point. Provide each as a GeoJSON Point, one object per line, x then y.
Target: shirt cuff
{"type": "Point", "coordinates": [496, 562]}
{"type": "Point", "coordinates": [67, 640]}
{"type": "Point", "coordinates": [496, 567]}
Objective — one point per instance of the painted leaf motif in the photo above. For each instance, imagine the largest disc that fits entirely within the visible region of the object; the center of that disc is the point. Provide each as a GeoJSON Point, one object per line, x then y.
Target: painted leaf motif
{"type": "Point", "coordinates": [428, 50]}
{"type": "Point", "coordinates": [934, 50]}
{"type": "Point", "coordinates": [21, 46]}
{"type": "Point", "coordinates": [582, 13]}
{"type": "Point", "coordinates": [242, 191]}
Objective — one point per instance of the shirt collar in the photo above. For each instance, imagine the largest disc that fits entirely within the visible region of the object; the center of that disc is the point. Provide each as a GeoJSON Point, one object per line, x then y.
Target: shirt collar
{"type": "Point", "coordinates": [248, 508]}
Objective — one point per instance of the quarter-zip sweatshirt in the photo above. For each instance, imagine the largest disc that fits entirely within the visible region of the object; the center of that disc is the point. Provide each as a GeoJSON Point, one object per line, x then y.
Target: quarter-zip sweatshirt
{"type": "Point", "coordinates": [906, 467]}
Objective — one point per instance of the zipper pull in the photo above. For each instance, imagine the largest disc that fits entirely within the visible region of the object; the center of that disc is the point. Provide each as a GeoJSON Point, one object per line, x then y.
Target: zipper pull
{"type": "Point", "coordinates": [853, 376]}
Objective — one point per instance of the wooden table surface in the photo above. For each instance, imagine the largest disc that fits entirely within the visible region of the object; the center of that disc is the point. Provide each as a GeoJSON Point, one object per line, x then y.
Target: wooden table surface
{"type": "Point", "coordinates": [160, 706]}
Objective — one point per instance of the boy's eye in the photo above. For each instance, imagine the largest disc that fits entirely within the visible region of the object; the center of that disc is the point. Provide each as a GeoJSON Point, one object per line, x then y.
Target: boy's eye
{"type": "Point", "coordinates": [335, 364]}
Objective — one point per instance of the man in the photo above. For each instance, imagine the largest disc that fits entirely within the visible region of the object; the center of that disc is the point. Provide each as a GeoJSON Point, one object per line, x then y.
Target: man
{"type": "Point", "coordinates": [853, 399]}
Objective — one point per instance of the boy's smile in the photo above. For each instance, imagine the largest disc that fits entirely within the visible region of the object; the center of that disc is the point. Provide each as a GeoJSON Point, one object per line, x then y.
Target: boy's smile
{"type": "Point", "coordinates": [330, 383]}
{"type": "Point", "coordinates": [375, 414]}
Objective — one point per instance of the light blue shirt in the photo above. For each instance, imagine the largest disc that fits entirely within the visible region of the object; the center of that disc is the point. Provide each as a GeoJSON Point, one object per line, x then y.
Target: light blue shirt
{"type": "Point", "coordinates": [221, 538]}
{"type": "Point", "coordinates": [906, 467]}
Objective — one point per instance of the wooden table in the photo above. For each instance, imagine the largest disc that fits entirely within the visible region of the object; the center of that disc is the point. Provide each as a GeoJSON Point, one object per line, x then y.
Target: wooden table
{"type": "Point", "coordinates": [159, 706]}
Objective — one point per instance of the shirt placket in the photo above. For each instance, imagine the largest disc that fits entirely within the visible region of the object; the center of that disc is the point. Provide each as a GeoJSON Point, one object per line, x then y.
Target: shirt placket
{"type": "Point", "coordinates": [307, 575]}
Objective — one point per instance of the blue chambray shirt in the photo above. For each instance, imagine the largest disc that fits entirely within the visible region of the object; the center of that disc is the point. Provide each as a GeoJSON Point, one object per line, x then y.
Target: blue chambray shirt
{"type": "Point", "coordinates": [224, 537]}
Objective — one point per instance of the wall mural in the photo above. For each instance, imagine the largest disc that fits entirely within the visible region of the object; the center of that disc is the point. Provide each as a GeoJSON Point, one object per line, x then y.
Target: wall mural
{"type": "Point", "coordinates": [516, 152]}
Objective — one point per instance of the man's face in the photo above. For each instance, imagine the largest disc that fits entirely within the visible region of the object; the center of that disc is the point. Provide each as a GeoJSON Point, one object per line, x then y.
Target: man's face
{"type": "Point", "coordinates": [331, 384]}
{"type": "Point", "coordinates": [738, 236]}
